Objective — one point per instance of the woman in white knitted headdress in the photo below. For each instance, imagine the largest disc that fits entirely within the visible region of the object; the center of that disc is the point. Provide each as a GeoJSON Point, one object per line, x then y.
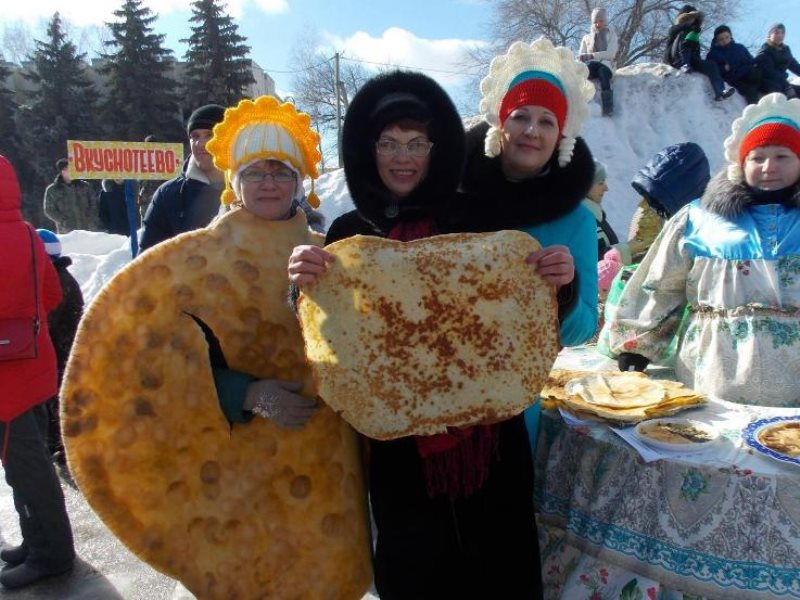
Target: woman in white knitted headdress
{"type": "Point", "coordinates": [734, 258]}
{"type": "Point", "coordinates": [528, 169]}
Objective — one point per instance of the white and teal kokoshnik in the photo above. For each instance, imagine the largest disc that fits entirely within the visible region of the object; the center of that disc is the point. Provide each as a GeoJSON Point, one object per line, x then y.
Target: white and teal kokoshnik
{"type": "Point", "coordinates": [740, 277]}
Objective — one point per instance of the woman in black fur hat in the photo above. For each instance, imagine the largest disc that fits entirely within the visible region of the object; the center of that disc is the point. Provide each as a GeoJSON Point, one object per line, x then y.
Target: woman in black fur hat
{"type": "Point", "coordinates": [453, 512]}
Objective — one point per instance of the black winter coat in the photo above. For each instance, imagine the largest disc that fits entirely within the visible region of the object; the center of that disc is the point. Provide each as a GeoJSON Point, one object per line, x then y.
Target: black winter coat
{"type": "Point", "coordinates": [179, 205]}
{"type": "Point", "coordinates": [734, 61]}
{"type": "Point", "coordinates": [112, 207]}
{"type": "Point", "coordinates": [679, 51]}
{"type": "Point", "coordinates": [63, 319]}
{"type": "Point", "coordinates": [774, 62]}
{"type": "Point", "coordinates": [426, 546]}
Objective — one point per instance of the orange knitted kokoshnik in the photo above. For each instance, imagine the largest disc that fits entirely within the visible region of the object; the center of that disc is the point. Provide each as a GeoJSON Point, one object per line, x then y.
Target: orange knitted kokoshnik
{"type": "Point", "coordinates": [535, 92]}
{"type": "Point", "coordinates": [771, 133]}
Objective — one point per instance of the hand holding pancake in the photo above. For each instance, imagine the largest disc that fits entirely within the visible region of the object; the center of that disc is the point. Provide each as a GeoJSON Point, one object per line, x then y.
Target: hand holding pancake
{"type": "Point", "coordinates": [555, 264]}
{"type": "Point", "coordinates": [280, 402]}
{"type": "Point", "coordinates": [307, 263]}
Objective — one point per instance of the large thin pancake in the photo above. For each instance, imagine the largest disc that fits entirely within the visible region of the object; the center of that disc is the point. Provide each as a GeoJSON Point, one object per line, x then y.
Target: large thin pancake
{"type": "Point", "coordinates": [410, 338]}
{"type": "Point", "coordinates": [675, 398]}
{"type": "Point", "coordinates": [248, 511]}
{"type": "Point", "coordinates": [618, 390]}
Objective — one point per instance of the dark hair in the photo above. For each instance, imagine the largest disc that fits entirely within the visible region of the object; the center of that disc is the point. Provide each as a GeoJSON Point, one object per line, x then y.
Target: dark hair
{"type": "Point", "coordinates": [61, 164]}
{"type": "Point", "coordinates": [721, 29]}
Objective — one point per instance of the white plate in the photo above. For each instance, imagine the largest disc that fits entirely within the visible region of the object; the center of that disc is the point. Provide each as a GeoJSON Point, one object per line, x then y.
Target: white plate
{"type": "Point", "coordinates": [677, 446]}
{"type": "Point", "coordinates": [752, 431]}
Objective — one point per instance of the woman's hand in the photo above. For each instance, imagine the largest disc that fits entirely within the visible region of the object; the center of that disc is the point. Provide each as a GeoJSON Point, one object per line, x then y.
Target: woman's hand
{"type": "Point", "coordinates": [554, 263]}
{"type": "Point", "coordinates": [306, 264]}
{"type": "Point", "coordinates": [280, 402]}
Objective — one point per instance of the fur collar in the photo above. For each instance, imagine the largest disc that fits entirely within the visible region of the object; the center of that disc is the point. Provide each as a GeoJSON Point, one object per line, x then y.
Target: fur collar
{"type": "Point", "coordinates": [689, 17]}
{"type": "Point", "coordinates": [502, 204]}
{"type": "Point", "coordinates": [375, 204]}
{"type": "Point", "coordinates": [729, 200]}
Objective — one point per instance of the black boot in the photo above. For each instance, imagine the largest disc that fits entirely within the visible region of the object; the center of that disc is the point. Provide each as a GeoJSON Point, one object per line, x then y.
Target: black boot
{"type": "Point", "coordinates": [14, 555]}
{"type": "Point", "coordinates": [27, 573]}
{"type": "Point", "coordinates": [607, 100]}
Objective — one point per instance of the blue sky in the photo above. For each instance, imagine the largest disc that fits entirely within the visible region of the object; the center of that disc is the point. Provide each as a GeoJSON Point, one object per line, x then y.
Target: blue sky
{"type": "Point", "coordinates": [422, 34]}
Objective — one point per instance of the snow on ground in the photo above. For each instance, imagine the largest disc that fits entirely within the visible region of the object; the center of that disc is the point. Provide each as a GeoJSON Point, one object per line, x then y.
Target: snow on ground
{"type": "Point", "coordinates": [655, 106]}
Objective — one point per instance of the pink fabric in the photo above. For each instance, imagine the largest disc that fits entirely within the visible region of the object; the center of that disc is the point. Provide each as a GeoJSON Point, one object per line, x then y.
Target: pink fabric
{"type": "Point", "coordinates": [24, 383]}
{"type": "Point", "coordinates": [608, 268]}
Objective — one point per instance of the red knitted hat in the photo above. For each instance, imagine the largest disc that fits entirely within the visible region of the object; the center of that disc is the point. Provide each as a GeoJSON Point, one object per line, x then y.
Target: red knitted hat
{"type": "Point", "coordinates": [777, 132]}
{"type": "Point", "coordinates": [538, 92]}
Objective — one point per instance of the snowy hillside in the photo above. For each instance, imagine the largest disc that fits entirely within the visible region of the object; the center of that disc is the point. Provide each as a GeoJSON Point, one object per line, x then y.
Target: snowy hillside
{"type": "Point", "coordinates": [655, 106]}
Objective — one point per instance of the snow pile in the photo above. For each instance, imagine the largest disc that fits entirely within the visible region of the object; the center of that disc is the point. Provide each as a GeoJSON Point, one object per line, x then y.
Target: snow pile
{"type": "Point", "coordinates": [655, 106]}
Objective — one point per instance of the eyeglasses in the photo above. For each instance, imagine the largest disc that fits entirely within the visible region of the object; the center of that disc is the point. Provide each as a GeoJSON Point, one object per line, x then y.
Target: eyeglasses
{"type": "Point", "coordinates": [418, 148]}
{"type": "Point", "coordinates": [258, 176]}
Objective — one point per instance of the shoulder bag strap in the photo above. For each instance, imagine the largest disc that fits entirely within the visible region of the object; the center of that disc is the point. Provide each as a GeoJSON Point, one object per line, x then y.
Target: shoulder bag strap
{"type": "Point", "coordinates": [36, 321]}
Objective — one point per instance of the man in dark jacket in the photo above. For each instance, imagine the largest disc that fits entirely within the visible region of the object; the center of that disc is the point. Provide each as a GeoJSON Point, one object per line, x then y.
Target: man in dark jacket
{"type": "Point", "coordinates": [63, 323]}
{"type": "Point", "coordinates": [190, 200]}
{"type": "Point", "coordinates": [775, 58]}
{"type": "Point", "coordinates": [113, 210]}
{"type": "Point", "coordinates": [683, 50]}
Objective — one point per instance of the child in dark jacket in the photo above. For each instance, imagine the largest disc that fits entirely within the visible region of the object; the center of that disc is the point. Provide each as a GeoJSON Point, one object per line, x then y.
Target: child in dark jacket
{"type": "Point", "coordinates": [683, 50]}
{"type": "Point", "coordinates": [736, 65]}
{"type": "Point", "coordinates": [775, 58]}
{"type": "Point", "coordinates": [63, 323]}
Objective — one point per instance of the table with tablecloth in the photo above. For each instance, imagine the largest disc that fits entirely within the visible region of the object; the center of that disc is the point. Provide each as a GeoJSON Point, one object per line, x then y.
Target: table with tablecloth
{"type": "Point", "coordinates": [721, 523]}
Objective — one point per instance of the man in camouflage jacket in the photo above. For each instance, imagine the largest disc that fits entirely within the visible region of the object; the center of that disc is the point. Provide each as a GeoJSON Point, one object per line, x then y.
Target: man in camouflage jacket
{"type": "Point", "coordinates": [71, 204]}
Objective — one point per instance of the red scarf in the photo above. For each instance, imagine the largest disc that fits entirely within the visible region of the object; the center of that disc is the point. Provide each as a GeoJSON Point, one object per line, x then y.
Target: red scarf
{"type": "Point", "coordinates": [455, 463]}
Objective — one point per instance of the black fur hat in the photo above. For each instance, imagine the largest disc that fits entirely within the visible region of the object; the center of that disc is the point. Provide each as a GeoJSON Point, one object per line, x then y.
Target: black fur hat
{"type": "Point", "coordinates": [387, 98]}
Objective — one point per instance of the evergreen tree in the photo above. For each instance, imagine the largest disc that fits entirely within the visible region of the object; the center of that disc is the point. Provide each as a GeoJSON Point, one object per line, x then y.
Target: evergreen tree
{"type": "Point", "coordinates": [62, 102]}
{"type": "Point", "coordinates": [141, 88]}
{"type": "Point", "coordinates": [62, 107]}
{"type": "Point", "coordinates": [217, 68]}
{"type": "Point", "coordinates": [9, 142]}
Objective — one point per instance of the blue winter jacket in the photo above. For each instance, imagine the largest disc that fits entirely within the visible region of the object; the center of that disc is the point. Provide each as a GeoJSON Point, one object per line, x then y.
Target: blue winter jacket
{"type": "Point", "coordinates": [578, 231]}
{"type": "Point", "coordinates": [736, 57]}
{"type": "Point", "coordinates": [674, 177]}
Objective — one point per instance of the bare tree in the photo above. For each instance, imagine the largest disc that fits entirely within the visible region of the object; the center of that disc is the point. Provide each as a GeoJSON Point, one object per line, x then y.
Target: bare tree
{"type": "Point", "coordinates": [641, 25]}
{"type": "Point", "coordinates": [17, 42]}
{"type": "Point", "coordinates": [314, 81]}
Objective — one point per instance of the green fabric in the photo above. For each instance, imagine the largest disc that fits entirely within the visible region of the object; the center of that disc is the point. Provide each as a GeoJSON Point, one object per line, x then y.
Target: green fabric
{"type": "Point", "coordinates": [693, 36]}
{"type": "Point", "coordinates": [231, 389]}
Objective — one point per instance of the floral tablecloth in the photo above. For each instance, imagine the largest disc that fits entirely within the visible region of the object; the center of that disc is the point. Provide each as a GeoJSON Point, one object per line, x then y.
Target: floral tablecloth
{"type": "Point", "coordinates": [724, 523]}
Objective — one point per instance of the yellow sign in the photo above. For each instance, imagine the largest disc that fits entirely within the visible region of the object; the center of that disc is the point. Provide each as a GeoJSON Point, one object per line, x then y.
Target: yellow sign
{"type": "Point", "coordinates": [124, 160]}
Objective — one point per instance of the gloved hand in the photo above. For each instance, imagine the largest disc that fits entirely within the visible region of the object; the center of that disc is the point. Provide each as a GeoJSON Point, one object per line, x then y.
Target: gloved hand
{"type": "Point", "coordinates": [280, 402]}
{"type": "Point", "coordinates": [628, 361]}
{"type": "Point", "coordinates": [585, 57]}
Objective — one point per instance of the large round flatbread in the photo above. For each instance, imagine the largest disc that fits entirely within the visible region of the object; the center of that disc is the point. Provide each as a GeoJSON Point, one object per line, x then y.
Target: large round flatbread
{"type": "Point", "coordinates": [243, 511]}
{"type": "Point", "coordinates": [618, 390]}
{"type": "Point", "coordinates": [412, 338]}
